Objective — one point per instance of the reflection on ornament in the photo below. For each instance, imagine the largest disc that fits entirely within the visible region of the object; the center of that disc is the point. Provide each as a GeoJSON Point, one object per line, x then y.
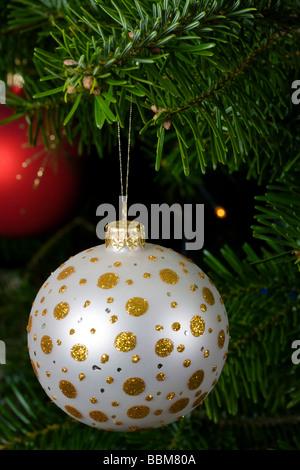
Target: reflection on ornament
{"type": "Point", "coordinates": [123, 356]}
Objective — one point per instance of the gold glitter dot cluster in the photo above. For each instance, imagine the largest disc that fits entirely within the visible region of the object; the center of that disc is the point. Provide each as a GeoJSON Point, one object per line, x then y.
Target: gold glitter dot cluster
{"type": "Point", "coordinates": [194, 338]}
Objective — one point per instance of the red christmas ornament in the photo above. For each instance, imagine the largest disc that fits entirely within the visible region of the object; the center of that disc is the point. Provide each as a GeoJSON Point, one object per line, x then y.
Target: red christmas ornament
{"type": "Point", "coordinates": [38, 186]}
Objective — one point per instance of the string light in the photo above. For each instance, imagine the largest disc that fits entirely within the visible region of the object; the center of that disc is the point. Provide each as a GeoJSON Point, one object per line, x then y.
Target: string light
{"type": "Point", "coordinates": [220, 212]}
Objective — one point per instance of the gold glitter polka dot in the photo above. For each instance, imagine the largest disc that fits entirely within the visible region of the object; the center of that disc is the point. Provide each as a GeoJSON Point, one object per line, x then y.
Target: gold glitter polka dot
{"type": "Point", "coordinates": [202, 275]}
{"type": "Point", "coordinates": [110, 300]}
{"type": "Point", "coordinates": [93, 400]}
{"type": "Point", "coordinates": [34, 369]}
{"type": "Point", "coordinates": [176, 326]}
{"type": "Point", "coordinates": [64, 369]}
{"type": "Point", "coordinates": [44, 312]}
{"type": "Point", "coordinates": [108, 280]}
{"type": "Point", "coordinates": [72, 331]}
{"type": "Point", "coordinates": [168, 276]}
{"type": "Point", "coordinates": [179, 405]}
{"type": "Point", "coordinates": [221, 339]}
{"type": "Point", "coordinates": [86, 303]}
{"type": "Point", "coordinates": [113, 319]}
{"type": "Point", "coordinates": [196, 380]}
{"type": "Point", "coordinates": [152, 258]}
{"type": "Point", "coordinates": [160, 377]}
{"type": "Point", "coordinates": [158, 412]}
{"type": "Point", "coordinates": [115, 403]}
{"type": "Point", "coordinates": [137, 306]}
{"type": "Point", "coordinates": [104, 358]}
{"type": "Point", "coordinates": [98, 416]}
{"type": "Point", "coordinates": [109, 380]}
{"type": "Point", "coordinates": [46, 344]}
{"type": "Point", "coordinates": [29, 326]}
{"type": "Point", "coordinates": [129, 282]}
{"type": "Point", "coordinates": [208, 296]}
{"type": "Point", "coordinates": [138, 412]}
{"type": "Point", "coordinates": [170, 396]}
{"type": "Point", "coordinates": [73, 411]}
{"type": "Point", "coordinates": [125, 341]}
{"type": "Point", "coordinates": [81, 376]}
{"type": "Point", "coordinates": [48, 373]}
{"type": "Point", "coordinates": [94, 260]}
{"type": "Point", "coordinates": [206, 353]}
{"type": "Point", "coordinates": [174, 304]}
{"type": "Point", "coordinates": [193, 288]}
{"type": "Point", "coordinates": [164, 347]}
{"type": "Point", "coordinates": [134, 386]}
{"type": "Point", "coordinates": [149, 398]}
{"type": "Point", "coordinates": [66, 273]}
{"type": "Point", "coordinates": [197, 325]}
{"type": "Point", "coordinates": [62, 289]}
{"type": "Point", "coordinates": [135, 358]}
{"type": "Point", "coordinates": [79, 352]}
{"type": "Point", "coordinates": [187, 363]}
{"type": "Point", "coordinates": [203, 307]}
{"type": "Point", "coordinates": [199, 400]}
{"type": "Point", "coordinates": [219, 318]}
{"type": "Point", "coordinates": [67, 389]}
{"type": "Point", "coordinates": [180, 348]}
{"type": "Point", "coordinates": [61, 310]}
{"type": "Point", "coordinates": [92, 331]}
{"type": "Point", "coordinates": [82, 282]}
{"type": "Point", "coordinates": [159, 327]}
{"type": "Point", "coordinates": [146, 275]}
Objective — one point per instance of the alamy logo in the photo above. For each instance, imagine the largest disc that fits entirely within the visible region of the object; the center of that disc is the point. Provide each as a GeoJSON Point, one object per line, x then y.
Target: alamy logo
{"type": "Point", "coordinates": [296, 94]}
{"type": "Point", "coordinates": [161, 221]}
{"type": "Point", "coordinates": [2, 92]}
{"type": "Point", "coordinates": [296, 354]}
{"type": "Point", "coordinates": [2, 353]}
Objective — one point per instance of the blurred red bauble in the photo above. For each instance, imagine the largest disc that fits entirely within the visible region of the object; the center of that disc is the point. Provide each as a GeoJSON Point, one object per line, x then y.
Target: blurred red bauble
{"type": "Point", "coordinates": [38, 186]}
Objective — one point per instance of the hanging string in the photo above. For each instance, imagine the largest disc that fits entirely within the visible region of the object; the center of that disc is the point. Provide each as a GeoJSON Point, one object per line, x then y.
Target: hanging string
{"type": "Point", "coordinates": [125, 196]}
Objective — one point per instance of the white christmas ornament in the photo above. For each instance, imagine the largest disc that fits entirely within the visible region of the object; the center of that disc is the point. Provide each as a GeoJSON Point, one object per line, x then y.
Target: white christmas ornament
{"type": "Point", "coordinates": [128, 336]}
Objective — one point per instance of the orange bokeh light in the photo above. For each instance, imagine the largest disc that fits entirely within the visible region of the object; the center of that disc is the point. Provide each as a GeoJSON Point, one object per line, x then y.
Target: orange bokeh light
{"type": "Point", "coordinates": [220, 212]}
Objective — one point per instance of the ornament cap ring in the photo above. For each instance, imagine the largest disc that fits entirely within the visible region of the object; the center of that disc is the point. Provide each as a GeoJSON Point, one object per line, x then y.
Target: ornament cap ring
{"type": "Point", "coordinates": [119, 235]}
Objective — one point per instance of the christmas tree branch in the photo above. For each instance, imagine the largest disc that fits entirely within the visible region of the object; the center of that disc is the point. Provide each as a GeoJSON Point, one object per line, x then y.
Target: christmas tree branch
{"type": "Point", "coordinates": [228, 79]}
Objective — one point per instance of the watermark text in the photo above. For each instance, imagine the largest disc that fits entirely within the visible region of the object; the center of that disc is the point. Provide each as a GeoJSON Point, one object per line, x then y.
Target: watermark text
{"type": "Point", "coordinates": [2, 92]}
{"type": "Point", "coordinates": [296, 94]}
{"type": "Point", "coordinates": [2, 353]}
{"type": "Point", "coordinates": [161, 221]}
{"type": "Point", "coordinates": [296, 354]}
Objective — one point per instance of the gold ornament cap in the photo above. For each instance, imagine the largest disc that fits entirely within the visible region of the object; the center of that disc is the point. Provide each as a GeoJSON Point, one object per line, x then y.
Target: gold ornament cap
{"type": "Point", "coordinates": [130, 234]}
